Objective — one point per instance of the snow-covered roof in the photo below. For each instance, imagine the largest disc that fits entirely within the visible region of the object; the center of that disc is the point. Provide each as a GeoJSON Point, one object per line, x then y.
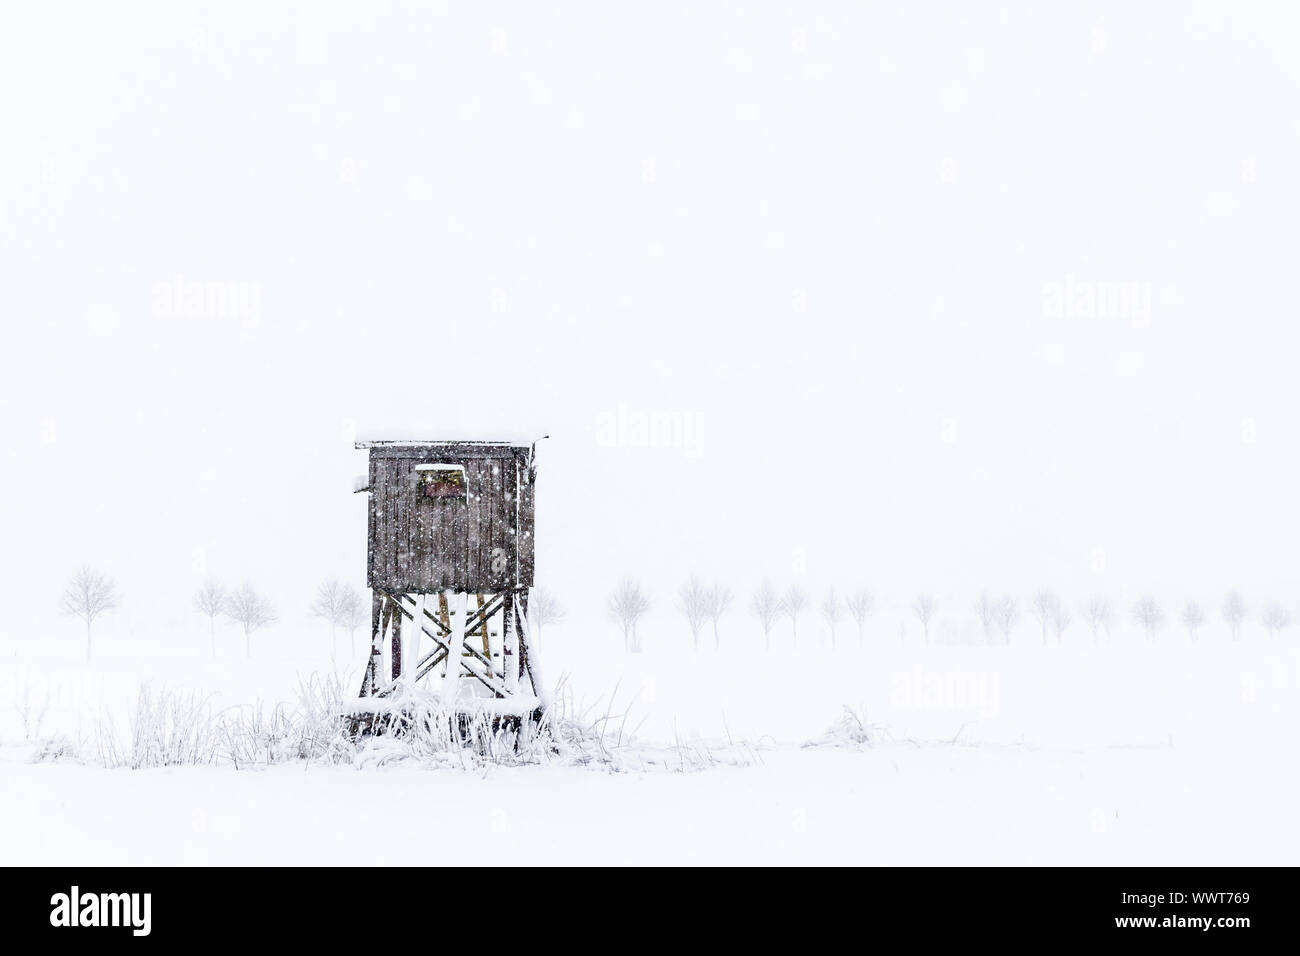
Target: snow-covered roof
{"type": "Point", "coordinates": [511, 431]}
{"type": "Point", "coordinates": [442, 443]}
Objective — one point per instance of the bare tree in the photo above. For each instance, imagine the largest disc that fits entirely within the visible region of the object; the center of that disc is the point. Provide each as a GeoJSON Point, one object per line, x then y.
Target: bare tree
{"type": "Point", "coordinates": [87, 595]}
{"type": "Point", "coordinates": [1148, 614]}
{"type": "Point", "coordinates": [793, 601]}
{"type": "Point", "coordinates": [924, 607]}
{"type": "Point", "coordinates": [832, 610]}
{"type": "Point", "coordinates": [328, 606]}
{"type": "Point", "coordinates": [986, 609]}
{"type": "Point", "coordinates": [1275, 618]}
{"type": "Point", "coordinates": [861, 603]}
{"type": "Point", "coordinates": [1008, 616]}
{"type": "Point", "coordinates": [627, 605]}
{"type": "Point", "coordinates": [1192, 616]}
{"type": "Point", "coordinates": [544, 609]}
{"type": "Point", "coordinates": [210, 600]}
{"type": "Point", "coordinates": [352, 614]}
{"type": "Point", "coordinates": [251, 611]}
{"type": "Point", "coordinates": [1234, 612]}
{"type": "Point", "coordinates": [693, 602]}
{"type": "Point", "coordinates": [719, 601]}
{"type": "Point", "coordinates": [1044, 605]}
{"type": "Point", "coordinates": [766, 605]}
{"type": "Point", "coordinates": [1061, 620]}
{"type": "Point", "coordinates": [1097, 613]}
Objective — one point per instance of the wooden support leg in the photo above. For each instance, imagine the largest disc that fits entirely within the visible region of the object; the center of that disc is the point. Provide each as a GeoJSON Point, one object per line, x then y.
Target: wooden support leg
{"type": "Point", "coordinates": [528, 651]}
{"type": "Point", "coordinates": [444, 613]}
{"type": "Point", "coordinates": [510, 646]}
{"type": "Point", "coordinates": [378, 606]}
{"type": "Point", "coordinates": [521, 638]}
{"type": "Point", "coordinates": [483, 628]}
{"type": "Point", "coordinates": [396, 653]}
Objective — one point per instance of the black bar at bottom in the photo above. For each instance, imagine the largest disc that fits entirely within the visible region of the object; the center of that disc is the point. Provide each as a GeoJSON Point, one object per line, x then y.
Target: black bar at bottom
{"type": "Point", "coordinates": [365, 907]}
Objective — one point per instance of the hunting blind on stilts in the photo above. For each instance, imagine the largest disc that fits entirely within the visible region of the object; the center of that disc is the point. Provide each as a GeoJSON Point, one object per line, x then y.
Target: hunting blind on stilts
{"type": "Point", "coordinates": [450, 566]}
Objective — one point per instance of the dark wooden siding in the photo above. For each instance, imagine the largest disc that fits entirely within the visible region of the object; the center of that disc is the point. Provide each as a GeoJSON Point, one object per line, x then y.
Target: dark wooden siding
{"type": "Point", "coordinates": [525, 520]}
{"type": "Point", "coordinates": [483, 542]}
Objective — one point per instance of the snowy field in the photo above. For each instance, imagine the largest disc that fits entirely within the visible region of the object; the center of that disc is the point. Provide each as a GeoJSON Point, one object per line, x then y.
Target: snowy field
{"type": "Point", "coordinates": [928, 298]}
{"type": "Point", "coordinates": [1121, 753]}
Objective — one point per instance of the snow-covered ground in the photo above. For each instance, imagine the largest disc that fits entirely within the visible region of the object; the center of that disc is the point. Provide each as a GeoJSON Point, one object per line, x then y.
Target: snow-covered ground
{"type": "Point", "coordinates": [1122, 753]}
{"type": "Point", "coordinates": [897, 804]}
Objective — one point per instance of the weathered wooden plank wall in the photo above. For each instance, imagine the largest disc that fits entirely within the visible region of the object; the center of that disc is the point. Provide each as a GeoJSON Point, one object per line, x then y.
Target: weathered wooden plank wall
{"type": "Point", "coordinates": [372, 541]}
{"type": "Point", "coordinates": [481, 543]}
{"type": "Point", "coordinates": [402, 550]}
{"type": "Point", "coordinates": [525, 520]}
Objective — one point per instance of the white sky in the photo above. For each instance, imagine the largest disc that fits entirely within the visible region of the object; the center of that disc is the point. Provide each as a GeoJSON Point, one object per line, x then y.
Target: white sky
{"type": "Point", "coordinates": [824, 237]}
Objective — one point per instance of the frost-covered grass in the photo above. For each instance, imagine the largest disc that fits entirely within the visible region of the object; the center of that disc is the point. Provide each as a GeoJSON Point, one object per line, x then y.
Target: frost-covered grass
{"type": "Point", "coordinates": [851, 729]}
{"type": "Point", "coordinates": [168, 727]}
{"type": "Point", "coordinates": [666, 706]}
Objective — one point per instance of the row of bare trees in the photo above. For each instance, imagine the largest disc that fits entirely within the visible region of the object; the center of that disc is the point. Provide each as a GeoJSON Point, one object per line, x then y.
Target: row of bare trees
{"type": "Point", "coordinates": [339, 605]}
{"type": "Point", "coordinates": [244, 606]}
{"type": "Point", "coordinates": [89, 593]}
{"type": "Point", "coordinates": [769, 606]}
{"type": "Point", "coordinates": [1000, 615]}
{"type": "Point", "coordinates": [704, 604]}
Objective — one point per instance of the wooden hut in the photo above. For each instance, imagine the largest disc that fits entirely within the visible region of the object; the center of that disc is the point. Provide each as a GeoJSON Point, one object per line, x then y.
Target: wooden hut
{"type": "Point", "coordinates": [450, 564]}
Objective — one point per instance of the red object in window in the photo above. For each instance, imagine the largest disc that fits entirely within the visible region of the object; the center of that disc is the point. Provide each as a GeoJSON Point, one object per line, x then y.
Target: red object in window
{"type": "Point", "coordinates": [441, 483]}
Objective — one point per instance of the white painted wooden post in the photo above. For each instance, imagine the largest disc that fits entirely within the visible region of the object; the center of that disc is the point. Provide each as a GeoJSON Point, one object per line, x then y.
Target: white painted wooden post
{"type": "Point", "coordinates": [384, 673]}
{"type": "Point", "coordinates": [411, 645]}
{"type": "Point", "coordinates": [528, 640]}
{"type": "Point", "coordinates": [457, 604]}
{"type": "Point", "coordinates": [510, 645]}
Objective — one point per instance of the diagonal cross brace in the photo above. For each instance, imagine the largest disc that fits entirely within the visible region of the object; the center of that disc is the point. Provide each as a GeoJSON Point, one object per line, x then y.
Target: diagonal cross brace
{"type": "Point", "coordinates": [471, 623]}
{"type": "Point", "coordinates": [493, 605]}
{"type": "Point", "coordinates": [442, 650]}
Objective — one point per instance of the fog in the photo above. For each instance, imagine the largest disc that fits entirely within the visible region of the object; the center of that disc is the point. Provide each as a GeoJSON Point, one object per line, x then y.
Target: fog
{"type": "Point", "coordinates": [921, 299]}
